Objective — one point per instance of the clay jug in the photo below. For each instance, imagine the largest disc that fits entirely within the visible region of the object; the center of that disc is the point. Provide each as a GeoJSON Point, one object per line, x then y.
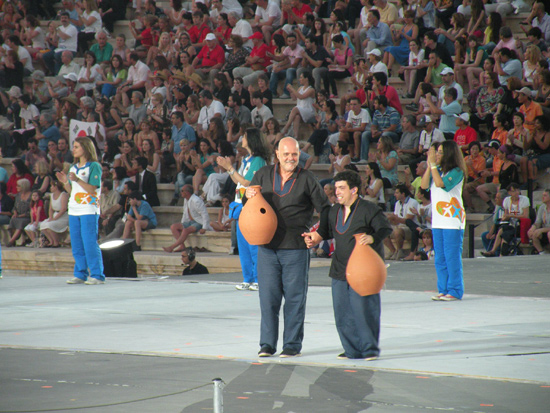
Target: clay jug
{"type": "Point", "coordinates": [366, 271]}
{"type": "Point", "coordinates": [258, 221]}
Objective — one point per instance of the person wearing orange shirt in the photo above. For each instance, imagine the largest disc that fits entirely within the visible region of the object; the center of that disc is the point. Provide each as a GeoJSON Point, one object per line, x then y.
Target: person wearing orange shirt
{"type": "Point", "coordinates": [476, 164]}
{"type": "Point", "coordinates": [500, 133]}
{"type": "Point", "coordinates": [529, 108]}
{"type": "Point", "coordinates": [488, 191]}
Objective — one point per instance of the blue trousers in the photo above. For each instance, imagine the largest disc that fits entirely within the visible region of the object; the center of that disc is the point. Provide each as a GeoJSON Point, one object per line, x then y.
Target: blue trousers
{"type": "Point", "coordinates": [248, 254]}
{"type": "Point", "coordinates": [288, 74]}
{"type": "Point", "coordinates": [283, 274]}
{"type": "Point", "coordinates": [357, 320]}
{"type": "Point", "coordinates": [448, 261]}
{"type": "Point", "coordinates": [86, 252]}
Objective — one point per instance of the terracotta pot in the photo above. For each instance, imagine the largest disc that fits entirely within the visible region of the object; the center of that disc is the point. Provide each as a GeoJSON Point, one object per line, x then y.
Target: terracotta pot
{"type": "Point", "coordinates": [258, 221]}
{"type": "Point", "coordinates": [366, 271]}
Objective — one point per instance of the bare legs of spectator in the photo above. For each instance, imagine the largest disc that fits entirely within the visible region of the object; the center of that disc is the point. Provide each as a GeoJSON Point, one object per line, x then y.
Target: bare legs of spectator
{"type": "Point", "coordinates": [294, 118]}
{"type": "Point", "coordinates": [180, 234]}
{"type": "Point", "coordinates": [15, 234]}
{"type": "Point", "coordinates": [198, 179]}
{"type": "Point", "coordinates": [410, 79]}
{"type": "Point", "coordinates": [138, 225]}
{"type": "Point", "coordinates": [536, 235]}
{"type": "Point", "coordinates": [53, 237]}
{"type": "Point", "coordinates": [472, 74]}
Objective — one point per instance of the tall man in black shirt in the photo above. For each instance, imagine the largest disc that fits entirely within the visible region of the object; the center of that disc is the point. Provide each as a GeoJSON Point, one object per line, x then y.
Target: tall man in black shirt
{"type": "Point", "coordinates": [357, 318]}
{"type": "Point", "coordinates": [283, 264]}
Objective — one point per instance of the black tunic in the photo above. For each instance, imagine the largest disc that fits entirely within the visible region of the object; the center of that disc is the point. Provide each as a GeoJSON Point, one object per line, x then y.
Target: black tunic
{"type": "Point", "coordinates": [293, 204]}
{"type": "Point", "coordinates": [365, 217]}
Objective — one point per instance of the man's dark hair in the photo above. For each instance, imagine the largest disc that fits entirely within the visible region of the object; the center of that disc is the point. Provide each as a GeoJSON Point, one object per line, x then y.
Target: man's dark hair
{"type": "Point", "coordinates": [236, 98]}
{"type": "Point", "coordinates": [64, 13]}
{"type": "Point", "coordinates": [375, 13]}
{"type": "Point", "coordinates": [257, 95]}
{"type": "Point", "coordinates": [352, 178]}
{"type": "Point", "coordinates": [107, 183]}
{"type": "Point", "coordinates": [452, 93]}
{"type": "Point", "coordinates": [134, 56]}
{"type": "Point", "coordinates": [178, 114]}
{"type": "Point", "coordinates": [312, 39]}
{"type": "Point", "coordinates": [142, 161]}
{"type": "Point", "coordinates": [381, 77]}
{"type": "Point", "coordinates": [206, 94]}
{"type": "Point", "coordinates": [131, 185]}
{"type": "Point", "coordinates": [535, 32]}
{"type": "Point", "coordinates": [32, 140]}
{"type": "Point", "coordinates": [136, 195]}
{"type": "Point", "coordinates": [431, 35]}
{"type": "Point", "coordinates": [403, 189]}
{"type": "Point", "coordinates": [291, 35]}
{"type": "Point", "coordinates": [382, 100]}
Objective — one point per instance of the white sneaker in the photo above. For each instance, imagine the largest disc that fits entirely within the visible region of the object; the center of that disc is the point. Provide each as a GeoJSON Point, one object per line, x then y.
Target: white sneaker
{"type": "Point", "coordinates": [94, 281]}
{"type": "Point", "coordinates": [243, 286]}
{"type": "Point", "coordinates": [254, 287]}
{"type": "Point", "coordinates": [75, 281]}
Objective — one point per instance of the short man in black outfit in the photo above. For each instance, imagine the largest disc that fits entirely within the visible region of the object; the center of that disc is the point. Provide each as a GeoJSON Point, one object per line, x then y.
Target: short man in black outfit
{"type": "Point", "coordinates": [357, 318]}
{"type": "Point", "coordinates": [192, 266]}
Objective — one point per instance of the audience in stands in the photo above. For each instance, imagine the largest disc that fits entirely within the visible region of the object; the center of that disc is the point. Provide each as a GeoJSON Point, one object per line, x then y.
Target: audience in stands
{"type": "Point", "coordinates": [186, 86]}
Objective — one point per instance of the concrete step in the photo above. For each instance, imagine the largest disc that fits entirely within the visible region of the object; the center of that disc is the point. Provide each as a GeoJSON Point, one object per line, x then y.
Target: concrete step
{"type": "Point", "coordinates": [155, 239]}
{"type": "Point", "coordinates": [167, 215]}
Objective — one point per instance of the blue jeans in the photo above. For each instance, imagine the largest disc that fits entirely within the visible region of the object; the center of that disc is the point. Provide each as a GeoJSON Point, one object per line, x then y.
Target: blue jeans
{"type": "Point", "coordinates": [288, 74]}
{"type": "Point", "coordinates": [283, 273]}
{"type": "Point", "coordinates": [181, 180]}
{"type": "Point", "coordinates": [366, 138]}
{"type": "Point", "coordinates": [357, 320]}
{"type": "Point", "coordinates": [448, 261]}
{"type": "Point", "coordinates": [248, 255]}
{"type": "Point", "coordinates": [86, 252]}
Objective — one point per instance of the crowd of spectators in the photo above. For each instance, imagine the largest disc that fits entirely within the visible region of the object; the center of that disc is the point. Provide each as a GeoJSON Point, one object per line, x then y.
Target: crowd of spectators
{"type": "Point", "coordinates": [191, 78]}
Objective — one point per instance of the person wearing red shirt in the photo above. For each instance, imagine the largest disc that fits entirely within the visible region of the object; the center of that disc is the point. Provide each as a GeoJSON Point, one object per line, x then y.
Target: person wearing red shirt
{"type": "Point", "coordinates": [294, 15]}
{"type": "Point", "coordinates": [465, 133]}
{"type": "Point", "coordinates": [210, 59]}
{"type": "Point", "coordinates": [380, 87]}
{"type": "Point", "coordinates": [256, 62]}
{"type": "Point", "coordinates": [199, 31]}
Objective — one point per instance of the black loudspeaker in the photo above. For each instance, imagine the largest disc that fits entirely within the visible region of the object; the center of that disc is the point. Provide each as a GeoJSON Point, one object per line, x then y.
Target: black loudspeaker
{"type": "Point", "coordinates": [118, 258]}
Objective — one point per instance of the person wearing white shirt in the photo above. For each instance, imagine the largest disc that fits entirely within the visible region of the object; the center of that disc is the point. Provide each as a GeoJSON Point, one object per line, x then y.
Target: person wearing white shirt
{"type": "Point", "coordinates": [138, 74]}
{"type": "Point", "coordinates": [91, 20]}
{"type": "Point", "coordinates": [402, 212]}
{"type": "Point", "coordinates": [448, 78]}
{"type": "Point", "coordinates": [66, 35]}
{"type": "Point", "coordinates": [195, 219]}
{"type": "Point", "coordinates": [210, 108]}
{"type": "Point", "coordinates": [241, 28]}
{"type": "Point", "coordinates": [267, 18]}
{"type": "Point", "coordinates": [355, 127]}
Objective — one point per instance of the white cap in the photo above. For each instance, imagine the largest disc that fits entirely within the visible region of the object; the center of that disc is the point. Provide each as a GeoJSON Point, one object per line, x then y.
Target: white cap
{"type": "Point", "coordinates": [375, 52]}
{"type": "Point", "coordinates": [210, 36]}
{"type": "Point", "coordinates": [464, 116]}
{"type": "Point", "coordinates": [71, 76]}
{"type": "Point", "coordinates": [447, 71]}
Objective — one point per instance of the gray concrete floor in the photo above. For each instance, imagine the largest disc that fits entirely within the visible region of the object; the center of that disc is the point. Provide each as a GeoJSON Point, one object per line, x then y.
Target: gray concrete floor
{"type": "Point", "coordinates": [155, 344]}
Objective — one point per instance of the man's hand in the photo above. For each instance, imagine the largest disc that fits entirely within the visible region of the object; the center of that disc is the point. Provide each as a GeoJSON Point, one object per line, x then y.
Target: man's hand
{"type": "Point", "coordinates": [365, 239]}
{"type": "Point", "coordinates": [311, 238]}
